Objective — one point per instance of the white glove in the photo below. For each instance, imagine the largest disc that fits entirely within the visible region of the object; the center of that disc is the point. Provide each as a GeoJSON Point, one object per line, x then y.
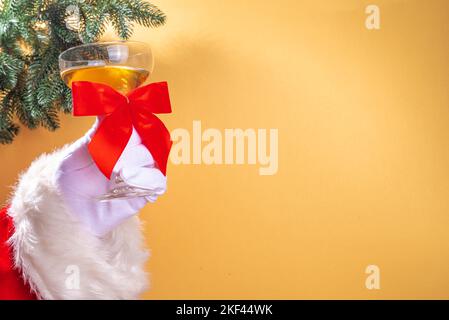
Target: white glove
{"type": "Point", "coordinates": [82, 184]}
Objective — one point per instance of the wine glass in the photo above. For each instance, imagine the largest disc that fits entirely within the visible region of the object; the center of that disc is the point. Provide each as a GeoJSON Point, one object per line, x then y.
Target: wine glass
{"type": "Point", "coordinates": [122, 65]}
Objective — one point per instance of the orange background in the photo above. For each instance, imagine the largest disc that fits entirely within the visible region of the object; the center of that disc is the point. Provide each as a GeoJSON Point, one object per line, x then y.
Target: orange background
{"type": "Point", "coordinates": [363, 119]}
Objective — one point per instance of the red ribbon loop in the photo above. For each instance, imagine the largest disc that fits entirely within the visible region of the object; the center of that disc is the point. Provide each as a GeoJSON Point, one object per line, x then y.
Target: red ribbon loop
{"type": "Point", "coordinates": [120, 114]}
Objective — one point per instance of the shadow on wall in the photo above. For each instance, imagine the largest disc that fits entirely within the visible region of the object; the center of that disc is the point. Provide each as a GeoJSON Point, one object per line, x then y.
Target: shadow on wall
{"type": "Point", "coordinates": [198, 73]}
{"type": "Point", "coordinates": [218, 83]}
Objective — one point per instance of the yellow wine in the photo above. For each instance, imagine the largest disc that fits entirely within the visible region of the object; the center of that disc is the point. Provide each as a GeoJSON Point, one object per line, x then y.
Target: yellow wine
{"type": "Point", "coordinates": [121, 78]}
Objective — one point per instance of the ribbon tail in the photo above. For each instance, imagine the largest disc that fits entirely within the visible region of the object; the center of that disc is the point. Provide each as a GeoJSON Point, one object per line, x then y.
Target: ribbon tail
{"type": "Point", "coordinates": [110, 140]}
{"type": "Point", "coordinates": [156, 138]}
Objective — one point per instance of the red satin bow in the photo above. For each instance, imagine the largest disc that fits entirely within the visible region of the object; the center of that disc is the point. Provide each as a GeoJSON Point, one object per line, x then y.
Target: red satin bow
{"type": "Point", "coordinates": [121, 113]}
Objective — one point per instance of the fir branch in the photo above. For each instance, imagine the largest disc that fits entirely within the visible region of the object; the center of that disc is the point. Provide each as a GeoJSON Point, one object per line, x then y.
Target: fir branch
{"type": "Point", "coordinates": [32, 35]}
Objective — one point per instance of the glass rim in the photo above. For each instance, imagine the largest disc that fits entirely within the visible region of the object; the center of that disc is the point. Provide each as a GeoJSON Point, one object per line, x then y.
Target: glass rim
{"type": "Point", "coordinates": [91, 44]}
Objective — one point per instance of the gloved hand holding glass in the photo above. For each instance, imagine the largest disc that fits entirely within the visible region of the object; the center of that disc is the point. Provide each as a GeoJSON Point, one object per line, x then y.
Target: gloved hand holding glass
{"type": "Point", "coordinates": [119, 165]}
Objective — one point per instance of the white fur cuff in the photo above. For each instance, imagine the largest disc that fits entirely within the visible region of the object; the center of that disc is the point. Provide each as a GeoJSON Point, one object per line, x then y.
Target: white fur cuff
{"type": "Point", "coordinates": [58, 257]}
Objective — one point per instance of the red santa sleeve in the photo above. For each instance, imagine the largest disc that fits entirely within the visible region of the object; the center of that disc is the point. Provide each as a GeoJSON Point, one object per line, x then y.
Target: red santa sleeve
{"type": "Point", "coordinates": [12, 284]}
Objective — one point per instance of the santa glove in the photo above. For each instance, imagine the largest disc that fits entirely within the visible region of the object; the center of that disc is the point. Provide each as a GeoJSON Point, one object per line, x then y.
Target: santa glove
{"type": "Point", "coordinates": [82, 184]}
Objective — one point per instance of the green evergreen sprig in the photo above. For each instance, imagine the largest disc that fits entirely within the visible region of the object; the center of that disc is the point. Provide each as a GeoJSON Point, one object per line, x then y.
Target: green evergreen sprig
{"type": "Point", "coordinates": [32, 35]}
